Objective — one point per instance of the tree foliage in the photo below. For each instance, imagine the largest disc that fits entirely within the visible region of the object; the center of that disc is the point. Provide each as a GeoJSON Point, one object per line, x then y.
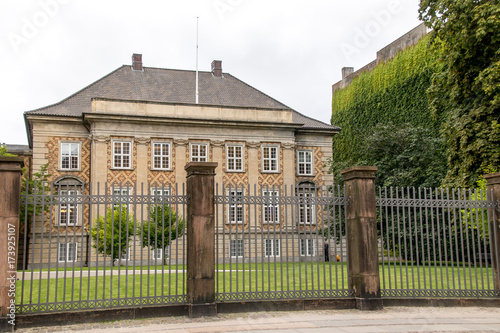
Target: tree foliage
{"type": "Point", "coordinates": [36, 184]}
{"type": "Point", "coordinates": [405, 154]}
{"type": "Point", "coordinates": [3, 150]}
{"type": "Point", "coordinates": [164, 225]}
{"type": "Point", "coordinates": [466, 91]}
{"type": "Point", "coordinates": [111, 233]}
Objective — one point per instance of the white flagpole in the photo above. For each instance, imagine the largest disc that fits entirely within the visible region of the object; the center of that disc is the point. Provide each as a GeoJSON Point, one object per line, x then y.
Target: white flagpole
{"type": "Point", "coordinates": [197, 60]}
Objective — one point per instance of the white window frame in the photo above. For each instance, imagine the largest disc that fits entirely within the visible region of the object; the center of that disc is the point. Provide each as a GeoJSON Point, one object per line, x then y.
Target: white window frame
{"type": "Point", "coordinates": [273, 162]}
{"type": "Point", "coordinates": [235, 206]}
{"type": "Point", "coordinates": [160, 251]}
{"type": "Point", "coordinates": [307, 247]}
{"type": "Point", "coordinates": [270, 207]}
{"type": "Point", "coordinates": [122, 155]}
{"type": "Point", "coordinates": [66, 248]}
{"type": "Point", "coordinates": [195, 147]}
{"type": "Point", "coordinates": [162, 157]}
{"type": "Point", "coordinates": [236, 248]}
{"type": "Point", "coordinates": [122, 193]}
{"type": "Point", "coordinates": [305, 164]}
{"type": "Point", "coordinates": [67, 200]}
{"type": "Point", "coordinates": [159, 192]}
{"type": "Point", "coordinates": [70, 156]}
{"type": "Point", "coordinates": [272, 247]}
{"type": "Point", "coordinates": [235, 159]}
{"type": "Point", "coordinates": [307, 211]}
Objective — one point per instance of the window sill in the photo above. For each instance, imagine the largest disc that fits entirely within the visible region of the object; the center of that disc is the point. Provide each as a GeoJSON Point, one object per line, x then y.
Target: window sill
{"type": "Point", "coordinates": [122, 169]}
{"type": "Point", "coordinates": [69, 170]}
{"type": "Point", "coordinates": [169, 170]}
{"type": "Point", "coordinates": [267, 172]}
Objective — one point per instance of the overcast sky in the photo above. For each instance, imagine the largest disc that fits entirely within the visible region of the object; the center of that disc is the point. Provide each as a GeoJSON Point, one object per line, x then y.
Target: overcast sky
{"type": "Point", "coordinates": [291, 50]}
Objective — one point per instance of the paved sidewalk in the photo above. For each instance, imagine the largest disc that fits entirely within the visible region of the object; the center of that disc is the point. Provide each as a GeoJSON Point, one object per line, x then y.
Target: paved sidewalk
{"type": "Point", "coordinates": [394, 319]}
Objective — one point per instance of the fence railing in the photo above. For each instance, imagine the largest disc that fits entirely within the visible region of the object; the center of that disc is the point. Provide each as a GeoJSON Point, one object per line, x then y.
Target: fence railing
{"type": "Point", "coordinates": [281, 242]}
{"type": "Point", "coordinates": [436, 242]}
{"type": "Point", "coordinates": [93, 247]}
{"type": "Point", "coordinates": [101, 247]}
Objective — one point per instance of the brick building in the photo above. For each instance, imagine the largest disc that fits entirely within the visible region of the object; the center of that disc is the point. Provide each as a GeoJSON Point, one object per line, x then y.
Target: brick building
{"type": "Point", "coordinates": [141, 125]}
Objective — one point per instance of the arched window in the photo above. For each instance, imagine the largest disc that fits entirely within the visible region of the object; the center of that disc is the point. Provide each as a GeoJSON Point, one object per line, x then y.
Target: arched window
{"type": "Point", "coordinates": [69, 211]}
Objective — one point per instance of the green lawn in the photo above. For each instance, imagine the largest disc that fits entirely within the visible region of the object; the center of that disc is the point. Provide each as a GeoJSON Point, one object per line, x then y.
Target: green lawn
{"type": "Point", "coordinates": [246, 278]}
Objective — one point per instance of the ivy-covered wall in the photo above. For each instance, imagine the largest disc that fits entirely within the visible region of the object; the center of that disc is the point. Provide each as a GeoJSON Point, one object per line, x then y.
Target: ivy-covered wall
{"type": "Point", "coordinates": [393, 92]}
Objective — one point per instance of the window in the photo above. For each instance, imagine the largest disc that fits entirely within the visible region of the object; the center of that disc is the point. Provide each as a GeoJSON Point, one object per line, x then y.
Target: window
{"type": "Point", "coordinates": [157, 254]}
{"type": "Point", "coordinates": [120, 197]}
{"type": "Point", "coordinates": [160, 195]}
{"type": "Point", "coordinates": [272, 247]}
{"type": "Point", "coordinates": [306, 207]}
{"type": "Point", "coordinates": [269, 159]}
{"type": "Point", "coordinates": [236, 247]}
{"type": "Point", "coordinates": [70, 155]}
{"type": "Point", "coordinates": [304, 162]}
{"type": "Point", "coordinates": [67, 252]}
{"type": "Point", "coordinates": [235, 206]}
{"type": "Point", "coordinates": [307, 247]}
{"type": "Point", "coordinates": [199, 152]}
{"type": "Point", "coordinates": [161, 155]}
{"type": "Point", "coordinates": [122, 153]}
{"type": "Point", "coordinates": [234, 158]}
{"type": "Point", "coordinates": [68, 209]}
{"type": "Point", "coordinates": [270, 210]}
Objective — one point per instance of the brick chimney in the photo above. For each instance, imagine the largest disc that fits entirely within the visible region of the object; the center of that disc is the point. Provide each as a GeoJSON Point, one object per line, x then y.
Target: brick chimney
{"type": "Point", "coordinates": [137, 62]}
{"type": "Point", "coordinates": [217, 68]}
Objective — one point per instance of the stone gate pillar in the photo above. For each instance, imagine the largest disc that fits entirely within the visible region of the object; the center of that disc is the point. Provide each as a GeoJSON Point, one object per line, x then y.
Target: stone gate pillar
{"type": "Point", "coordinates": [493, 194]}
{"type": "Point", "coordinates": [200, 230]}
{"type": "Point", "coordinates": [10, 195]}
{"type": "Point", "coordinates": [364, 277]}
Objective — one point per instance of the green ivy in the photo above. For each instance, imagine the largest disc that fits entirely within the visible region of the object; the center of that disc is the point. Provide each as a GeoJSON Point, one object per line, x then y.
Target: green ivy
{"type": "Point", "coordinates": [393, 92]}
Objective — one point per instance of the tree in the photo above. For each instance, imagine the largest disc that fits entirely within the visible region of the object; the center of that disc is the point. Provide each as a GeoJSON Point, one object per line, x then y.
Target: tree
{"type": "Point", "coordinates": [163, 226]}
{"type": "Point", "coordinates": [466, 90]}
{"type": "Point", "coordinates": [3, 150]}
{"type": "Point", "coordinates": [406, 155]}
{"type": "Point", "coordinates": [111, 233]}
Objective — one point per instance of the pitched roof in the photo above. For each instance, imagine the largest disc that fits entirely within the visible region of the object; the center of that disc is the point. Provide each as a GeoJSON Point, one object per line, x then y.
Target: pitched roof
{"type": "Point", "coordinates": [172, 86]}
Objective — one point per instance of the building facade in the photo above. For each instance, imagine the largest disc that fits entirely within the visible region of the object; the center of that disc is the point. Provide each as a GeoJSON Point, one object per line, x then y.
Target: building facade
{"type": "Point", "coordinates": [135, 129]}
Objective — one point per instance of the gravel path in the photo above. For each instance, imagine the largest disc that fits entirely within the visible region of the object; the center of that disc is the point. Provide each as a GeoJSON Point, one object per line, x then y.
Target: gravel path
{"type": "Point", "coordinates": [393, 319]}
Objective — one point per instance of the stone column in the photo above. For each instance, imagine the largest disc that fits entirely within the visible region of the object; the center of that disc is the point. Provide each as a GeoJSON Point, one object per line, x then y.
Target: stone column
{"type": "Point", "coordinates": [493, 194]}
{"type": "Point", "coordinates": [142, 163]}
{"type": "Point", "coordinates": [10, 197]}
{"type": "Point", "coordinates": [180, 160]}
{"type": "Point", "coordinates": [364, 276]}
{"type": "Point", "coordinates": [201, 239]}
{"type": "Point", "coordinates": [99, 159]}
{"type": "Point", "coordinates": [253, 163]}
{"type": "Point", "coordinates": [217, 147]}
{"type": "Point", "coordinates": [289, 167]}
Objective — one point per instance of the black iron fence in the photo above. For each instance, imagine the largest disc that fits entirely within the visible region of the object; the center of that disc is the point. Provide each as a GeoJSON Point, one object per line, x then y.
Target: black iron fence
{"type": "Point", "coordinates": [89, 247]}
{"type": "Point", "coordinates": [436, 242]}
{"type": "Point", "coordinates": [101, 247]}
{"type": "Point", "coordinates": [282, 242]}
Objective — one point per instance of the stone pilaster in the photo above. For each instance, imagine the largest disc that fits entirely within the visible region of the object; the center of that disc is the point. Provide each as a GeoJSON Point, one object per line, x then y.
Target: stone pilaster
{"type": "Point", "coordinates": [201, 238]}
{"type": "Point", "coordinates": [10, 198]}
{"type": "Point", "coordinates": [359, 182]}
{"type": "Point", "coordinates": [493, 194]}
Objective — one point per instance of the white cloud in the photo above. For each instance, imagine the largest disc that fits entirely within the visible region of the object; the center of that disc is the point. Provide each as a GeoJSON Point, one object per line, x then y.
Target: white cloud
{"type": "Point", "coordinates": [288, 49]}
